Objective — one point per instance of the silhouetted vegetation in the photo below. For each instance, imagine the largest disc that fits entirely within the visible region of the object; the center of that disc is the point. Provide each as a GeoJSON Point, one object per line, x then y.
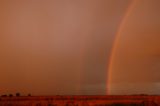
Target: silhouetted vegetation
{"type": "Point", "coordinates": [4, 96]}
{"type": "Point", "coordinates": [29, 94]}
{"type": "Point", "coordinates": [10, 95]}
{"type": "Point", "coordinates": [18, 94]}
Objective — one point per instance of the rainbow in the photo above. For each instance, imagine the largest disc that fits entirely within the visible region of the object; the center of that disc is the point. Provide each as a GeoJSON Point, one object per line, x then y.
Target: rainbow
{"type": "Point", "coordinates": [115, 43]}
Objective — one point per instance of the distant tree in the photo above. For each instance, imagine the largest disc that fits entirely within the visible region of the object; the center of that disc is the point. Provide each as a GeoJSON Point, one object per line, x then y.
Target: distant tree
{"type": "Point", "coordinates": [29, 94]}
{"type": "Point", "coordinates": [17, 94]}
{"type": "Point", "coordinates": [10, 95]}
{"type": "Point", "coordinates": [4, 96]}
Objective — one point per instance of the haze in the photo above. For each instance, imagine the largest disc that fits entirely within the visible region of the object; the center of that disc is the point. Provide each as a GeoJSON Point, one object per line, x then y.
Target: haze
{"type": "Point", "coordinates": [63, 47]}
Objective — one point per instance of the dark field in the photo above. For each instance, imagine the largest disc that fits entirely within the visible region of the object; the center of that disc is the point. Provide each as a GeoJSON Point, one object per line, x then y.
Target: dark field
{"type": "Point", "coordinates": [134, 100]}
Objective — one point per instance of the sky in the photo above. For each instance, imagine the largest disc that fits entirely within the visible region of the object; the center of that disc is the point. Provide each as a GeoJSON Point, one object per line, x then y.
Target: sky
{"type": "Point", "coordinates": [79, 47]}
{"type": "Point", "coordinates": [135, 65]}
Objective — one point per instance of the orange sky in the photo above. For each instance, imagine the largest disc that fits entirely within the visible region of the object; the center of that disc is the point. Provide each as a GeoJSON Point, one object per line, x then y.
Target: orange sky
{"type": "Point", "coordinates": [136, 57]}
{"type": "Point", "coordinates": [63, 46]}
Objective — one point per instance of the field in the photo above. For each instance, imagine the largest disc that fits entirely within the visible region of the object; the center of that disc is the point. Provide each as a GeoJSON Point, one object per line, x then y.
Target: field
{"type": "Point", "coordinates": [102, 100]}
